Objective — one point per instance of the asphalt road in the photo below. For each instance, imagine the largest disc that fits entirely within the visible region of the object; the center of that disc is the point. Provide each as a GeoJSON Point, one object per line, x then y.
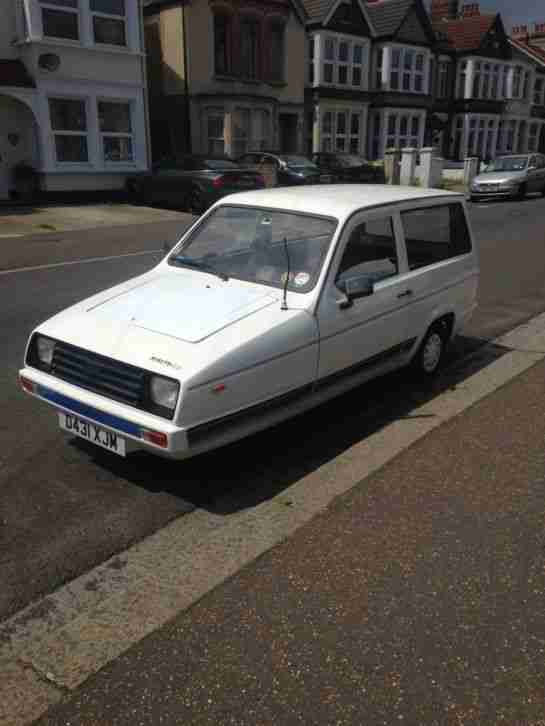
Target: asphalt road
{"type": "Point", "coordinates": [65, 507]}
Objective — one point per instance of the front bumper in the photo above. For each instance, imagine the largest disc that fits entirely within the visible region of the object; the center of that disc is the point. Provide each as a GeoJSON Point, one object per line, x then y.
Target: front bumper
{"type": "Point", "coordinates": [115, 417]}
{"type": "Point", "coordinates": [494, 193]}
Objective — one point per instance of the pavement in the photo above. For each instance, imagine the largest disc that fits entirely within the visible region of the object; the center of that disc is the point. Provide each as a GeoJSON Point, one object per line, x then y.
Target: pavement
{"type": "Point", "coordinates": [416, 598]}
{"type": "Point", "coordinates": [413, 595]}
{"type": "Point", "coordinates": [23, 221]}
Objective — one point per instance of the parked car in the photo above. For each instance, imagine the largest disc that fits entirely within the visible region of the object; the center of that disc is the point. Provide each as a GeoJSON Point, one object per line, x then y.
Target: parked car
{"type": "Point", "coordinates": [510, 176]}
{"type": "Point", "coordinates": [192, 182]}
{"type": "Point", "coordinates": [272, 303]}
{"type": "Point", "coordinates": [346, 168]}
{"type": "Point", "coordinates": [289, 169]}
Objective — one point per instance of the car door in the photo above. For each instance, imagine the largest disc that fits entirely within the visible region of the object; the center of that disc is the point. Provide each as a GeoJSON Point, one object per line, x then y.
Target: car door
{"type": "Point", "coordinates": [371, 331]}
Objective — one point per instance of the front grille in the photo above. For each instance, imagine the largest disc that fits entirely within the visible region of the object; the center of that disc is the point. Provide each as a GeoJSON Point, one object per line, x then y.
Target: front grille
{"type": "Point", "coordinates": [96, 373]}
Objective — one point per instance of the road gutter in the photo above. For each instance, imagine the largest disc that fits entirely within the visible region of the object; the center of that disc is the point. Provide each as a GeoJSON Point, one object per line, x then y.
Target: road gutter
{"type": "Point", "coordinates": [53, 646]}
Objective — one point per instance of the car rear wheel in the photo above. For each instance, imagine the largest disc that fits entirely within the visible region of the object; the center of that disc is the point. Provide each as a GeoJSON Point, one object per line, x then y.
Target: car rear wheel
{"type": "Point", "coordinates": [543, 192]}
{"type": "Point", "coordinates": [429, 356]}
{"type": "Point", "coordinates": [195, 203]}
{"type": "Point", "coordinates": [522, 192]}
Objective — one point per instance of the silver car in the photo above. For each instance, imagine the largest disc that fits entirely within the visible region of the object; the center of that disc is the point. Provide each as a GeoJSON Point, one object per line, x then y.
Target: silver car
{"type": "Point", "coordinates": [510, 176]}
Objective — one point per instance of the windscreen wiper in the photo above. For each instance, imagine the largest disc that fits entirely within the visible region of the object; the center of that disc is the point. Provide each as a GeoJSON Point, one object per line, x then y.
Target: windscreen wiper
{"type": "Point", "coordinates": [198, 265]}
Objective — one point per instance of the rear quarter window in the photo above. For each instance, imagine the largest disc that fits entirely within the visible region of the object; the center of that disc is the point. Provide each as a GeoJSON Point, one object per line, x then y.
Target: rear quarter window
{"type": "Point", "coordinates": [435, 234]}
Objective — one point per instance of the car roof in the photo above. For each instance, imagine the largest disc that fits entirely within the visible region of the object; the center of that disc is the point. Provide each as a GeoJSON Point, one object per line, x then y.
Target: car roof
{"type": "Point", "coordinates": [334, 200]}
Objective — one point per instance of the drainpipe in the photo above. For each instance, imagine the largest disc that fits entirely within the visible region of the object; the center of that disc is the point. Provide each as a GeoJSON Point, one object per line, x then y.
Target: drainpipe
{"type": "Point", "coordinates": [143, 57]}
{"type": "Point", "coordinates": [186, 85]}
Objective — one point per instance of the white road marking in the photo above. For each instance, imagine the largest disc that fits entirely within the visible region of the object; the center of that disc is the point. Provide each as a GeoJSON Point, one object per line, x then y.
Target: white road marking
{"type": "Point", "coordinates": [85, 261]}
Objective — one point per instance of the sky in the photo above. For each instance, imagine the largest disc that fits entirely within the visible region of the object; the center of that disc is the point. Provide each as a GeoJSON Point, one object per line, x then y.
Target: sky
{"type": "Point", "coordinates": [515, 12]}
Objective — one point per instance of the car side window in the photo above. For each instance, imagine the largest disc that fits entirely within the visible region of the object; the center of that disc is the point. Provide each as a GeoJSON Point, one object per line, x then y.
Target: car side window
{"type": "Point", "coordinates": [370, 251]}
{"type": "Point", "coordinates": [435, 234]}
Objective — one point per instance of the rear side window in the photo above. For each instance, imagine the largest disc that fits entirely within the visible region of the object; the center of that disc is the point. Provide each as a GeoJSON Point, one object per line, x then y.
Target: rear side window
{"type": "Point", "coordinates": [435, 234]}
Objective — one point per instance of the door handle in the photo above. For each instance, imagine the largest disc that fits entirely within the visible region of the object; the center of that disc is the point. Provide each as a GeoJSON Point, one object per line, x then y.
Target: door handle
{"type": "Point", "coordinates": [407, 293]}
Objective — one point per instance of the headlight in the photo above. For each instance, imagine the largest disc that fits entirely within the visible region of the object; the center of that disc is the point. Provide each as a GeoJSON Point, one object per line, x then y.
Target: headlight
{"type": "Point", "coordinates": [164, 392]}
{"type": "Point", "coordinates": [45, 348]}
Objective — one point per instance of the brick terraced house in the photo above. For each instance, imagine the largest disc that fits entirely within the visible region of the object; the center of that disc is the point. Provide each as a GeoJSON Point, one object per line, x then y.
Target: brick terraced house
{"type": "Point", "coordinates": [226, 76]}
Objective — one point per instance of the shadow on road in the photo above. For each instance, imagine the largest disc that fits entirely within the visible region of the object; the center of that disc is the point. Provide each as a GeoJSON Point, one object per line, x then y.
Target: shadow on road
{"type": "Point", "coordinates": [243, 474]}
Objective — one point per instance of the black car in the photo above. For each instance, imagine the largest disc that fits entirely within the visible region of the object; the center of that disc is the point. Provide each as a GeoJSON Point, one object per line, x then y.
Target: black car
{"type": "Point", "coordinates": [287, 169]}
{"type": "Point", "coordinates": [192, 182]}
{"type": "Point", "coordinates": [347, 168]}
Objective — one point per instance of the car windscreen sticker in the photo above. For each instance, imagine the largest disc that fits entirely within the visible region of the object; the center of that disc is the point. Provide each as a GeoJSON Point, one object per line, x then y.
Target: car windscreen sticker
{"type": "Point", "coordinates": [301, 279]}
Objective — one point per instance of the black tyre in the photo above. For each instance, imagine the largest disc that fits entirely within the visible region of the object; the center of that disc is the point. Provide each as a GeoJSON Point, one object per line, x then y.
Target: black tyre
{"type": "Point", "coordinates": [195, 202]}
{"type": "Point", "coordinates": [543, 192]}
{"type": "Point", "coordinates": [522, 192]}
{"type": "Point", "coordinates": [429, 356]}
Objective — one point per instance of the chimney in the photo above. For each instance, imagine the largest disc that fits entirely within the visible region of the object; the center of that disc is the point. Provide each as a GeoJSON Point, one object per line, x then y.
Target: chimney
{"type": "Point", "coordinates": [471, 11]}
{"type": "Point", "coordinates": [520, 32]}
{"type": "Point", "coordinates": [444, 10]}
{"type": "Point", "coordinates": [537, 36]}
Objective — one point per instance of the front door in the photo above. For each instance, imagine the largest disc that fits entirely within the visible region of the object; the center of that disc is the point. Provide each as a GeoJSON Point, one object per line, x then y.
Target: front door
{"type": "Point", "coordinates": [287, 123]}
{"type": "Point", "coordinates": [372, 331]}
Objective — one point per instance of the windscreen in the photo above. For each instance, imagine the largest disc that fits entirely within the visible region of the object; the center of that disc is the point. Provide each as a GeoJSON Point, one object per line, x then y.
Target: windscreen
{"type": "Point", "coordinates": [260, 246]}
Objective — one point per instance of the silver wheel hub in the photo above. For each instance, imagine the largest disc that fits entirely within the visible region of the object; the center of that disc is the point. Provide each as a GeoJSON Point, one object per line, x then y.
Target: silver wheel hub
{"type": "Point", "coordinates": [431, 355]}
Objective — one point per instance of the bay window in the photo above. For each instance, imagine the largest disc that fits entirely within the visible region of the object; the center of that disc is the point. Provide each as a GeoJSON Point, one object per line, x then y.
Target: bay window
{"type": "Point", "coordinates": [342, 131]}
{"type": "Point", "coordinates": [344, 61]}
{"type": "Point", "coordinates": [60, 19]}
{"type": "Point", "coordinates": [109, 21]}
{"type": "Point", "coordinates": [69, 126]}
{"type": "Point", "coordinates": [407, 69]}
{"type": "Point", "coordinates": [114, 118]}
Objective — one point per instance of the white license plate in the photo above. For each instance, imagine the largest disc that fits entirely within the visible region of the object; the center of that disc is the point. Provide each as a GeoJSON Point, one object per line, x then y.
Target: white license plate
{"type": "Point", "coordinates": [92, 432]}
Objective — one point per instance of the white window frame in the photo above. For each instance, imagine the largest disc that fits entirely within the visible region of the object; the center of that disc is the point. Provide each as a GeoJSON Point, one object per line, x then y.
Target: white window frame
{"type": "Point", "coordinates": [117, 134]}
{"type": "Point", "coordinates": [398, 137]}
{"type": "Point", "coordinates": [538, 96]}
{"type": "Point", "coordinates": [334, 133]}
{"type": "Point", "coordinates": [416, 76]}
{"type": "Point", "coordinates": [108, 16]}
{"type": "Point", "coordinates": [336, 39]}
{"type": "Point", "coordinates": [69, 132]}
{"type": "Point", "coordinates": [51, 5]}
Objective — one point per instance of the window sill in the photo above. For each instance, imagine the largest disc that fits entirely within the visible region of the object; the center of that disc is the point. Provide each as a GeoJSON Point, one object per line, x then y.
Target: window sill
{"type": "Point", "coordinates": [238, 79]}
{"type": "Point", "coordinates": [93, 48]}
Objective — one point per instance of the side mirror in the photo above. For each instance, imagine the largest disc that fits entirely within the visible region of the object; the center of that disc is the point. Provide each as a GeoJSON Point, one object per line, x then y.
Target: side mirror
{"type": "Point", "coordinates": [354, 288]}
